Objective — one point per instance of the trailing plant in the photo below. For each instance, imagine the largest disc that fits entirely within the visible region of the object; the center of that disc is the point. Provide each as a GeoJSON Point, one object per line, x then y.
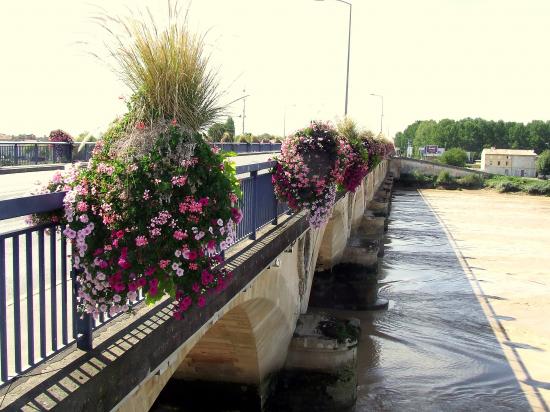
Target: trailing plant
{"type": "Point", "coordinates": [358, 161]}
{"type": "Point", "coordinates": [153, 223]}
{"type": "Point", "coordinates": [60, 136]}
{"type": "Point", "coordinates": [311, 164]}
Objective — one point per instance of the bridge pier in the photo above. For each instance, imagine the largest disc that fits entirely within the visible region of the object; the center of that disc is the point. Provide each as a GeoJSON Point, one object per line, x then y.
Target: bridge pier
{"type": "Point", "coordinates": [352, 283]}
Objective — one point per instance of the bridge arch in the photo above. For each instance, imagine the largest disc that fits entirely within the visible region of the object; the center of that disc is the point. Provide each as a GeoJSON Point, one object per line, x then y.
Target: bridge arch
{"type": "Point", "coordinates": [238, 348]}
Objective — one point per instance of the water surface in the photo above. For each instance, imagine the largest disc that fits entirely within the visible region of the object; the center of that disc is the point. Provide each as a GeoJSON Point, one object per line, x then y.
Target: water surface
{"type": "Point", "coordinates": [434, 349]}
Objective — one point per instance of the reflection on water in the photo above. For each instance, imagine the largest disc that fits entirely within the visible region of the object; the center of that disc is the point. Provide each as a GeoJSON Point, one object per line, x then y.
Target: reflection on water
{"type": "Point", "coordinates": [433, 349]}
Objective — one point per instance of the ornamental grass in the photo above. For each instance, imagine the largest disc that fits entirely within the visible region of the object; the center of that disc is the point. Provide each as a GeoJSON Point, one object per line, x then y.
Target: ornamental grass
{"type": "Point", "coordinates": [167, 70]}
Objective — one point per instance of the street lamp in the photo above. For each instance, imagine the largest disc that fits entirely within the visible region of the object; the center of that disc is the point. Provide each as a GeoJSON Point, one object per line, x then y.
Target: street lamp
{"type": "Point", "coordinates": [243, 98]}
{"type": "Point", "coordinates": [349, 48]}
{"type": "Point", "coordinates": [382, 113]}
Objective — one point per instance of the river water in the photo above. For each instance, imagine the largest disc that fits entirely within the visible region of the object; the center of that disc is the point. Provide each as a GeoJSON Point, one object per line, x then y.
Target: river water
{"type": "Point", "coordinates": [433, 349]}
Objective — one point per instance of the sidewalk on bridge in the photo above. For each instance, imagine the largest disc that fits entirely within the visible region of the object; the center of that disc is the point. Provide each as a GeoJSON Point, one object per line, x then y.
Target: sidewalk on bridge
{"type": "Point", "coordinates": [4, 170]}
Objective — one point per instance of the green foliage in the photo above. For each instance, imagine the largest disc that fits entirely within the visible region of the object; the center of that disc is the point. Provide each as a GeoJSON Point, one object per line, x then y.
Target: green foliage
{"type": "Point", "coordinates": [503, 184]}
{"type": "Point", "coordinates": [417, 179]}
{"type": "Point", "coordinates": [454, 157]}
{"type": "Point", "coordinates": [475, 134]}
{"type": "Point", "coordinates": [444, 179]}
{"type": "Point", "coordinates": [225, 132]}
{"type": "Point", "coordinates": [543, 163]}
{"type": "Point", "coordinates": [215, 132]}
{"type": "Point", "coordinates": [355, 137]}
{"type": "Point", "coordinates": [85, 137]}
{"type": "Point", "coordinates": [506, 184]}
{"type": "Point", "coordinates": [230, 127]}
{"type": "Point", "coordinates": [472, 181]}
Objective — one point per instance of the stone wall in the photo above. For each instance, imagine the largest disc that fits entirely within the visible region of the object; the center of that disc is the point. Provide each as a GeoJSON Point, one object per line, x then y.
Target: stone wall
{"type": "Point", "coordinates": [408, 166]}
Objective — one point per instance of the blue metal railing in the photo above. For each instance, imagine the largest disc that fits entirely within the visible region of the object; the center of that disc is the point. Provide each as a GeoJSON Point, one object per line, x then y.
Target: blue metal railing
{"type": "Point", "coordinates": [240, 148]}
{"type": "Point", "coordinates": [38, 288]}
{"type": "Point", "coordinates": [34, 153]}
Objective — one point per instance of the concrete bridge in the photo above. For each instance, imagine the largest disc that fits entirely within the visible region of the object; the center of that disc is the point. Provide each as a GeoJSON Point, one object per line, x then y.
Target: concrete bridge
{"type": "Point", "coordinates": [242, 336]}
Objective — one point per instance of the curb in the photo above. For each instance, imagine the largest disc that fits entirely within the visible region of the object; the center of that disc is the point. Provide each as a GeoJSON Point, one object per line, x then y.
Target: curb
{"type": "Point", "coordinates": [26, 169]}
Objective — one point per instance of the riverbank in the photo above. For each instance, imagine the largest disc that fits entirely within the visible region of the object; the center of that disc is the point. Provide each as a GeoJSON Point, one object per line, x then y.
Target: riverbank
{"type": "Point", "coordinates": [503, 243]}
{"type": "Point", "coordinates": [502, 184]}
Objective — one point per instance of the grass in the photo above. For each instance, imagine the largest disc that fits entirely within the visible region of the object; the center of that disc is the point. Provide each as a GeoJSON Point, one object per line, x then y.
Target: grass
{"type": "Point", "coordinates": [503, 184]}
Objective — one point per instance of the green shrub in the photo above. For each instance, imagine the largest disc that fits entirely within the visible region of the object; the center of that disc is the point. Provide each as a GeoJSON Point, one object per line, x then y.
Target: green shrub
{"type": "Point", "coordinates": [417, 179]}
{"type": "Point", "coordinates": [539, 188]}
{"type": "Point", "coordinates": [454, 157]}
{"type": "Point", "coordinates": [472, 181]}
{"type": "Point", "coordinates": [444, 179]}
{"type": "Point", "coordinates": [505, 187]}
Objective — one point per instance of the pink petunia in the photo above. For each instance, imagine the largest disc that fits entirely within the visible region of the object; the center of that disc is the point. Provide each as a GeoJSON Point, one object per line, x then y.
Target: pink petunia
{"type": "Point", "coordinates": [141, 241]}
{"type": "Point", "coordinates": [201, 302]}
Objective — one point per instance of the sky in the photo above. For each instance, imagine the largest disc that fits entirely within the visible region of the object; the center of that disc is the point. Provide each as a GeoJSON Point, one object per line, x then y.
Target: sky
{"type": "Point", "coordinates": [430, 59]}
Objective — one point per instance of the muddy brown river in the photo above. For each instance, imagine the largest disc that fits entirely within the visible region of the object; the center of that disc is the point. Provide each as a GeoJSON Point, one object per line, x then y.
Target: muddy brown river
{"type": "Point", "coordinates": [434, 349]}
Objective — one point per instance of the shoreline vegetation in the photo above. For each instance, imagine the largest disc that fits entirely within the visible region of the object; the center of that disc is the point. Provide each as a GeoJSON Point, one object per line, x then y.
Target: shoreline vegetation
{"type": "Point", "coordinates": [502, 184]}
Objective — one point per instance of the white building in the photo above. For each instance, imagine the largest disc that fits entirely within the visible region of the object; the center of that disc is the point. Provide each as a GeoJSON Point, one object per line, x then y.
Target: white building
{"type": "Point", "coordinates": [509, 162]}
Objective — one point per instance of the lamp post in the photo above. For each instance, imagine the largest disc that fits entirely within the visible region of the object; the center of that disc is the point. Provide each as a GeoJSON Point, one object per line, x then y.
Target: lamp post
{"type": "Point", "coordinates": [349, 49]}
{"type": "Point", "coordinates": [243, 98]}
{"type": "Point", "coordinates": [382, 112]}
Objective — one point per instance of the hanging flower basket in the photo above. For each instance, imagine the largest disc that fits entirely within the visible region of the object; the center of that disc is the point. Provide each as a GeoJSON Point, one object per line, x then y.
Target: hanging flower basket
{"type": "Point", "coordinates": [311, 163]}
{"type": "Point", "coordinates": [61, 151]}
{"type": "Point", "coordinates": [152, 224]}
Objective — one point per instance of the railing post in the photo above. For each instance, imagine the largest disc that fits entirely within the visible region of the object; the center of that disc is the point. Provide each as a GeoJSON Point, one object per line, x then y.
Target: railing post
{"type": "Point", "coordinates": [275, 221]}
{"type": "Point", "coordinates": [254, 176]}
{"type": "Point", "coordinates": [15, 154]}
{"type": "Point", "coordinates": [70, 149]}
{"type": "Point", "coordinates": [84, 323]}
{"type": "Point", "coordinates": [36, 153]}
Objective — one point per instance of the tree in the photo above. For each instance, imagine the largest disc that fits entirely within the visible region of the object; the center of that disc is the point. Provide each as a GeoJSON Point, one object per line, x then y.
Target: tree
{"type": "Point", "coordinates": [454, 157]}
{"type": "Point", "coordinates": [216, 131]}
{"type": "Point", "coordinates": [85, 137]}
{"type": "Point", "coordinates": [543, 163]}
{"type": "Point", "coordinates": [426, 134]}
{"type": "Point", "coordinates": [230, 126]}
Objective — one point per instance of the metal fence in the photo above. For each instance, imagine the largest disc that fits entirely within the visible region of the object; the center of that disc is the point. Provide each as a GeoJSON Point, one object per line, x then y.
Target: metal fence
{"type": "Point", "coordinates": [38, 289]}
{"type": "Point", "coordinates": [34, 153]}
{"type": "Point", "coordinates": [240, 148]}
